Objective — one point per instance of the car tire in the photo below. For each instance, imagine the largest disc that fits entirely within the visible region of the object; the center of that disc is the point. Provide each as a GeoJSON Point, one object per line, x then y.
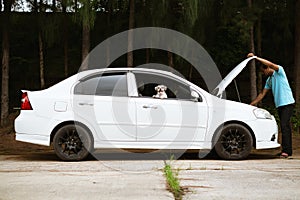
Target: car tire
{"type": "Point", "coordinates": [72, 143]}
{"type": "Point", "coordinates": [234, 142]}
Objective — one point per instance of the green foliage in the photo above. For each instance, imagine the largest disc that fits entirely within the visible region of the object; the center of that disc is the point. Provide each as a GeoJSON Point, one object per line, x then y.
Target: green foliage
{"type": "Point", "coordinates": [191, 11]}
{"type": "Point", "coordinates": [50, 28]}
{"type": "Point", "coordinates": [86, 14]}
{"type": "Point", "coordinates": [231, 46]}
{"type": "Point", "coordinates": [232, 40]}
{"type": "Point", "coordinates": [278, 30]}
{"type": "Point", "coordinates": [159, 12]}
{"type": "Point", "coordinates": [172, 181]}
{"type": "Point", "coordinates": [221, 26]}
{"type": "Point", "coordinates": [296, 121]}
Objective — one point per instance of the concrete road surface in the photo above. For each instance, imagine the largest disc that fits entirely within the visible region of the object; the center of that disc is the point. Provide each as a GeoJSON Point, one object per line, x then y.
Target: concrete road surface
{"type": "Point", "coordinates": [249, 179]}
{"type": "Point", "coordinates": [43, 176]}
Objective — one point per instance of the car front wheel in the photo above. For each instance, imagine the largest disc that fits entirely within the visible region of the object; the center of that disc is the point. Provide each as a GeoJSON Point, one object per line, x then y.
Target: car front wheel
{"type": "Point", "coordinates": [234, 142]}
{"type": "Point", "coordinates": [72, 143]}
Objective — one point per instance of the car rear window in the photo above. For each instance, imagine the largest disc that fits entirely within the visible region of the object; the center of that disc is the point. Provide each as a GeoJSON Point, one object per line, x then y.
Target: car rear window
{"type": "Point", "coordinates": [111, 84]}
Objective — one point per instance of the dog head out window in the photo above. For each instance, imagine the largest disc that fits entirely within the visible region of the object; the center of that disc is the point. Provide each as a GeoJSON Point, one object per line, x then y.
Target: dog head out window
{"type": "Point", "coordinates": [147, 85]}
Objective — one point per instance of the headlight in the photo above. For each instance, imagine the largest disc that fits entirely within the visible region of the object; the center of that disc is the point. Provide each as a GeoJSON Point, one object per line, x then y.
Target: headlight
{"type": "Point", "coordinates": [262, 114]}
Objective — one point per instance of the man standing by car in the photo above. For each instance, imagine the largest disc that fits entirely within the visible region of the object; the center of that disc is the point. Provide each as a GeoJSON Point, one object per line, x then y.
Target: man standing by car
{"type": "Point", "coordinates": [283, 98]}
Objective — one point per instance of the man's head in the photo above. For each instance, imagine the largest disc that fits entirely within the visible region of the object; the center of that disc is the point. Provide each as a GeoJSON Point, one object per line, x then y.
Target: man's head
{"type": "Point", "coordinates": [267, 71]}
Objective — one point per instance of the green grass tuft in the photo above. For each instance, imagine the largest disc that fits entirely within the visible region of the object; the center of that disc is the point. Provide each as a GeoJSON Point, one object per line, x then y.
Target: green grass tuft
{"type": "Point", "coordinates": [173, 182]}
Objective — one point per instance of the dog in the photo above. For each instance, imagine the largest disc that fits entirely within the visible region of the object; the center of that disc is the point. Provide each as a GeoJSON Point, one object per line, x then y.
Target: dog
{"type": "Point", "coordinates": [161, 92]}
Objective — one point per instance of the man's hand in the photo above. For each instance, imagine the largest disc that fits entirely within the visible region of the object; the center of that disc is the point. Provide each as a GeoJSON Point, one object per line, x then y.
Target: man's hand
{"type": "Point", "coordinates": [259, 97]}
{"type": "Point", "coordinates": [250, 55]}
{"type": "Point", "coordinates": [265, 62]}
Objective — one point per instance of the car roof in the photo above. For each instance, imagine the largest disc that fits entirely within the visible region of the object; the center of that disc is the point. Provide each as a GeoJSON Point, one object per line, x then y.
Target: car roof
{"type": "Point", "coordinates": [91, 72]}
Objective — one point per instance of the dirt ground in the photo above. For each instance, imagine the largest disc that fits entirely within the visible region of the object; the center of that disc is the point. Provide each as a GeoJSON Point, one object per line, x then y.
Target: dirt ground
{"type": "Point", "coordinates": [9, 146]}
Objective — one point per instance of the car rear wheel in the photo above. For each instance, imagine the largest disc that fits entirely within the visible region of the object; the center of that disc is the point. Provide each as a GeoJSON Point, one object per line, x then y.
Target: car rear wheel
{"type": "Point", "coordinates": [234, 142]}
{"type": "Point", "coordinates": [72, 143]}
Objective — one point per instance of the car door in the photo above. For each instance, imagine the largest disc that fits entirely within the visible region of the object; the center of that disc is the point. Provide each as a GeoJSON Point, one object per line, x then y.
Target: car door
{"type": "Point", "coordinates": [177, 118]}
{"type": "Point", "coordinates": [102, 101]}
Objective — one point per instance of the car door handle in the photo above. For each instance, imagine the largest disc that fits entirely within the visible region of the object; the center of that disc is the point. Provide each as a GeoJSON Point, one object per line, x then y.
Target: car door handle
{"type": "Point", "coordinates": [150, 106]}
{"type": "Point", "coordinates": [85, 104]}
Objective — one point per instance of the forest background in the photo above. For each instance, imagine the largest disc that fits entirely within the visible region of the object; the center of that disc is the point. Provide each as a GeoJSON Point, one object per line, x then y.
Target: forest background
{"type": "Point", "coordinates": [44, 41]}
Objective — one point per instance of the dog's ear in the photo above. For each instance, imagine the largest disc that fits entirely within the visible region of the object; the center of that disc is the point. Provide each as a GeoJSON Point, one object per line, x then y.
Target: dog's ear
{"type": "Point", "coordinates": [165, 87]}
{"type": "Point", "coordinates": [155, 88]}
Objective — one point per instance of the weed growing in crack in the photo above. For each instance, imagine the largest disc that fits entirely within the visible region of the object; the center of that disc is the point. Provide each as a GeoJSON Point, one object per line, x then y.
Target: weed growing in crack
{"type": "Point", "coordinates": [173, 181]}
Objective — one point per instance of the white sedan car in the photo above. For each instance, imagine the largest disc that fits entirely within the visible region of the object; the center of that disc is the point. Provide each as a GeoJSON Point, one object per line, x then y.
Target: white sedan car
{"type": "Point", "coordinates": [119, 108]}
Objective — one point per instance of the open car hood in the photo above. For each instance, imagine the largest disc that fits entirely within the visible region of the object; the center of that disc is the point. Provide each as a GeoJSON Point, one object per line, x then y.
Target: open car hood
{"type": "Point", "coordinates": [218, 91]}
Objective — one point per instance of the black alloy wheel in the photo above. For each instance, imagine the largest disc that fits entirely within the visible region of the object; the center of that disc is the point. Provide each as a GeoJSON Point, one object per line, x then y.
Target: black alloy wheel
{"type": "Point", "coordinates": [234, 142]}
{"type": "Point", "coordinates": [72, 143]}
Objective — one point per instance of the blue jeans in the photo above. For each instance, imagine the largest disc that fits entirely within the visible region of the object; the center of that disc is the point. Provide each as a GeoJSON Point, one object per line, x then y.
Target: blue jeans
{"type": "Point", "coordinates": [285, 113]}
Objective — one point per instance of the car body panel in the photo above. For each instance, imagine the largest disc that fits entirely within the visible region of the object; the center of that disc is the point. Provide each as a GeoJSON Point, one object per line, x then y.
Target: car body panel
{"type": "Point", "coordinates": [138, 122]}
{"type": "Point", "coordinates": [115, 123]}
{"type": "Point", "coordinates": [165, 120]}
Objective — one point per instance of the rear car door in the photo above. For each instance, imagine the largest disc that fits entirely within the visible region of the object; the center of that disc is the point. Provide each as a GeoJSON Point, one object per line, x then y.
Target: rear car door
{"type": "Point", "coordinates": [102, 101]}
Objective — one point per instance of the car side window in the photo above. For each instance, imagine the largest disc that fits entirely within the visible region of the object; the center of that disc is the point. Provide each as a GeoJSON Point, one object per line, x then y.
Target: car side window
{"type": "Point", "coordinates": [109, 84]}
{"type": "Point", "coordinates": [87, 86]}
{"type": "Point", "coordinates": [146, 84]}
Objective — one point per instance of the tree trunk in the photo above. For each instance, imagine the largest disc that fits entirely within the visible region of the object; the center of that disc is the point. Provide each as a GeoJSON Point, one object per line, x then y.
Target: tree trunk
{"type": "Point", "coordinates": [297, 56]}
{"type": "Point", "coordinates": [5, 77]}
{"type": "Point", "coordinates": [40, 40]}
{"type": "Point", "coordinates": [65, 27]}
{"type": "Point", "coordinates": [85, 44]}
{"type": "Point", "coordinates": [35, 6]}
{"type": "Point", "coordinates": [75, 6]}
{"type": "Point", "coordinates": [253, 88]}
{"type": "Point", "coordinates": [108, 21]}
{"type": "Point", "coordinates": [259, 52]}
{"type": "Point", "coordinates": [87, 16]}
{"type": "Point", "coordinates": [170, 59]}
{"type": "Point", "coordinates": [191, 73]}
{"type": "Point", "coordinates": [54, 8]}
{"type": "Point", "coordinates": [130, 34]}
{"type": "Point", "coordinates": [147, 55]}
{"type": "Point", "coordinates": [5, 64]}
{"type": "Point", "coordinates": [66, 55]}
{"type": "Point", "coordinates": [41, 54]}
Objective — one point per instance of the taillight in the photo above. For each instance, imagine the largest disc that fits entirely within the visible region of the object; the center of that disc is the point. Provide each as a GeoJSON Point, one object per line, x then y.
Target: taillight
{"type": "Point", "coordinates": [25, 103]}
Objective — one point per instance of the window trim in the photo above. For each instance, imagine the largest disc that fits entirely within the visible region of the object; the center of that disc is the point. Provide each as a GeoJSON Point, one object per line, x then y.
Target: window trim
{"type": "Point", "coordinates": [132, 85]}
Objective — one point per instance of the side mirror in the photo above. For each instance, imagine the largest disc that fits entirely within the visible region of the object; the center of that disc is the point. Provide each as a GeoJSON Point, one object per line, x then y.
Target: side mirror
{"type": "Point", "coordinates": [196, 97]}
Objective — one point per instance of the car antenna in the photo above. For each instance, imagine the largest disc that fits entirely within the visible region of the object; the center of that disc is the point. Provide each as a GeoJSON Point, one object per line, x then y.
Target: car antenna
{"type": "Point", "coordinates": [237, 90]}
